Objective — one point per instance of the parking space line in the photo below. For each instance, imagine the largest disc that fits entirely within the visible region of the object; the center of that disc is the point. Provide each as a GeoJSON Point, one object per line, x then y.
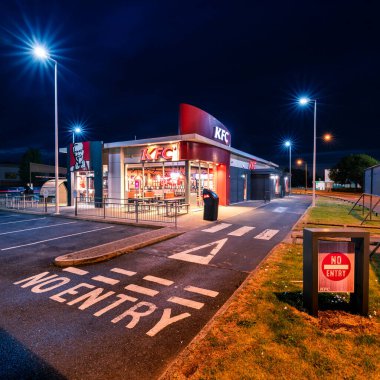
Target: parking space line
{"type": "Point", "coordinates": [159, 280]}
{"type": "Point", "coordinates": [77, 271]}
{"type": "Point", "coordinates": [186, 302]}
{"type": "Point", "coordinates": [142, 290]}
{"type": "Point", "coordinates": [56, 238]}
{"type": "Point", "coordinates": [23, 221]}
{"type": "Point", "coordinates": [36, 228]}
{"type": "Point", "coordinates": [123, 271]}
{"type": "Point", "coordinates": [205, 292]}
{"type": "Point", "coordinates": [106, 280]}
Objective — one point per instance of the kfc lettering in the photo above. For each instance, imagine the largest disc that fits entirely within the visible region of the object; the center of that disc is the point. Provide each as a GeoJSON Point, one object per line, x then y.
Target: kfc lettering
{"type": "Point", "coordinates": [157, 153]}
{"type": "Point", "coordinates": [222, 135]}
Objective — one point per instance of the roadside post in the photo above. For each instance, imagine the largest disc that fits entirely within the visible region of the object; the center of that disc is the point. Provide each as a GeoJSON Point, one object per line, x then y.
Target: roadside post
{"type": "Point", "coordinates": [336, 261]}
{"type": "Point", "coordinates": [45, 194]}
{"type": "Point", "coordinates": [75, 196]}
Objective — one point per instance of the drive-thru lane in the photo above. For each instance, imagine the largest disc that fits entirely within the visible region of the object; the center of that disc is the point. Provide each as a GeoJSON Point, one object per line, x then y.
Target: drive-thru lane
{"type": "Point", "coordinates": [127, 318]}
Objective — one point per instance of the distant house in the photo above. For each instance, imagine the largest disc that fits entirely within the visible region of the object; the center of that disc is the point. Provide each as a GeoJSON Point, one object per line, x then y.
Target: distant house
{"type": "Point", "coordinates": [372, 180]}
{"type": "Point", "coordinates": [9, 175]}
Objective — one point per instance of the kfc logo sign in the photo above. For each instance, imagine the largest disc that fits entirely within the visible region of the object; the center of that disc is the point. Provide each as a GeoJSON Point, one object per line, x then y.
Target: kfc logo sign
{"type": "Point", "coordinates": [222, 135]}
{"type": "Point", "coordinates": [252, 165]}
{"type": "Point", "coordinates": [159, 153]}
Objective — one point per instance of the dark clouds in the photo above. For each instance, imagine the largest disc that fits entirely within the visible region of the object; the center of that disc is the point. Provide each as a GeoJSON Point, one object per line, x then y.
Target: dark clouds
{"type": "Point", "coordinates": [124, 67]}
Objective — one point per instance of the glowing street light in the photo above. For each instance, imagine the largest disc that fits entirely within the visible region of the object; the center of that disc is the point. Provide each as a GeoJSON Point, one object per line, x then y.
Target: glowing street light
{"type": "Point", "coordinates": [76, 130]}
{"type": "Point", "coordinates": [41, 53]}
{"type": "Point", "coordinates": [299, 163]}
{"type": "Point", "coordinates": [288, 144]}
{"type": "Point", "coordinates": [304, 102]}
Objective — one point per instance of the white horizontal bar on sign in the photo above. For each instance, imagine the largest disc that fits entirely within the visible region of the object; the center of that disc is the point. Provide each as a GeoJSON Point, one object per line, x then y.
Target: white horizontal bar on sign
{"type": "Point", "coordinates": [217, 228]}
{"type": "Point", "coordinates": [205, 292]}
{"type": "Point", "coordinates": [106, 280]}
{"type": "Point", "coordinates": [186, 302]}
{"type": "Point", "coordinates": [141, 290]}
{"type": "Point", "coordinates": [77, 271]}
{"type": "Point", "coordinates": [343, 267]}
{"type": "Point", "coordinates": [266, 234]}
{"type": "Point", "coordinates": [123, 271]}
{"type": "Point", "coordinates": [159, 280]}
{"type": "Point", "coordinates": [241, 231]}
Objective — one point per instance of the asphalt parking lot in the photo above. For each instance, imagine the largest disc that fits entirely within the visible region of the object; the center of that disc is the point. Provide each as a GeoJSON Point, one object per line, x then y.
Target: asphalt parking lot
{"type": "Point", "coordinates": [47, 237]}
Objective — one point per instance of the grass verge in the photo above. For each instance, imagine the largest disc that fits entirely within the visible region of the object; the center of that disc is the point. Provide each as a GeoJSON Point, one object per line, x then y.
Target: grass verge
{"type": "Point", "coordinates": [265, 333]}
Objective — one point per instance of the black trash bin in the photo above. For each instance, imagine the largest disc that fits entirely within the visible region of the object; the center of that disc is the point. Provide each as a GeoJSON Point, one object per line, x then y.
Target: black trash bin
{"type": "Point", "coordinates": [211, 204]}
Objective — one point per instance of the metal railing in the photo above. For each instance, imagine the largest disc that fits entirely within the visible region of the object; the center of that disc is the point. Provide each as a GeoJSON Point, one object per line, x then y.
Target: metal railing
{"type": "Point", "coordinates": [136, 210]}
{"type": "Point", "coordinates": [21, 202]}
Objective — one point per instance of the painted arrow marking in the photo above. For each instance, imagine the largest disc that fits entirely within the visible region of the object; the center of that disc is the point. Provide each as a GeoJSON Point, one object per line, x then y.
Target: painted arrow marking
{"type": "Point", "coordinates": [204, 260]}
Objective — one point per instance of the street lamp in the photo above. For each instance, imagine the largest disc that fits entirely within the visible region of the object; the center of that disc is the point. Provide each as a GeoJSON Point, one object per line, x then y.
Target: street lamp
{"type": "Point", "coordinates": [41, 53]}
{"type": "Point", "coordinates": [289, 145]}
{"type": "Point", "coordinates": [303, 102]}
{"type": "Point", "coordinates": [76, 130]}
{"type": "Point", "coordinates": [299, 163]}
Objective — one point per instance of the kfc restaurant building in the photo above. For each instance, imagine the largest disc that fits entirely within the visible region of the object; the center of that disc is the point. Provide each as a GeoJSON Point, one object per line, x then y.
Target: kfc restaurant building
{"type": "Point", "coordinates": [178, 166]}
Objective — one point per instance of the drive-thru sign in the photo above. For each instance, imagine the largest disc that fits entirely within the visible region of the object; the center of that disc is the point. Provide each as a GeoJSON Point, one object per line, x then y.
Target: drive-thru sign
{"type": "Point", "coordinates": [336, 266]}
{"type": "Point", "coordinates": [336, 260]}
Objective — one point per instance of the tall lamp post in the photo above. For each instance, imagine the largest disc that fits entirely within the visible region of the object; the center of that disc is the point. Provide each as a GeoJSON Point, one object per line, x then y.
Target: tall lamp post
{"type": "Point", "coordinates": [41, 53]}
{"type": "Point", "coordinates": [300, 162]}
{"type": "Point", "coordinates": [289, 145]}
{"type": "Point", "coordinates": [303, 102]}
{"type": "Point", "coordinates": [76, 130]}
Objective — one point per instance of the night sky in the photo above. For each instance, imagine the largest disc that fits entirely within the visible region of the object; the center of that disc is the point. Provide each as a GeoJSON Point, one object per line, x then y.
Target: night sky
{"type": "Point", "coordinates": [125, 66]}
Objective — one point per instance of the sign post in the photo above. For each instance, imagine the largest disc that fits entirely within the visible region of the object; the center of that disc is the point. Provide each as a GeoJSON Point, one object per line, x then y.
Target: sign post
{"type": "Point", "coordinates": [336, 266]}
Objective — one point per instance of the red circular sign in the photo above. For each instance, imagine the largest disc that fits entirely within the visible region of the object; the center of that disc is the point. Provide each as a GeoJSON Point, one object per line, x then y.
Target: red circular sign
{"type": "Point", "coordinates": [336, 266]}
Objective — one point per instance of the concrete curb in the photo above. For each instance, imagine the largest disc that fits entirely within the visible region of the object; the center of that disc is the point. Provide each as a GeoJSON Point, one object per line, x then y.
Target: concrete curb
{"type": "Point", "coordinates": [117, 248]}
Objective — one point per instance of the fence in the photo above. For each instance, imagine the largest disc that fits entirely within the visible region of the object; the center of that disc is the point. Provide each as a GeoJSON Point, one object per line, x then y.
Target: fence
{"type": "Point", "coordinates": [21, 202]}
{"type": "Point", "coordinates": [368, 203]}
{"type": "Point", "coordinates": [136, 210]}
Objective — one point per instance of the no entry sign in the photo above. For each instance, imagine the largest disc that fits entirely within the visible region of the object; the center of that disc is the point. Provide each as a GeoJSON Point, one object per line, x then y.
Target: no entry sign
{"type": "Point", "coordinates": [336, 262]}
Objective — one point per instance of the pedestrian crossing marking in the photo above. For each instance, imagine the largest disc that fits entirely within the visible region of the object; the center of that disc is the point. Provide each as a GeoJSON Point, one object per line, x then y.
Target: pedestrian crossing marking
{"type": "Point", "coordinates": [123, 271]}
{"type": "Point", "coordinates": [241, 231]}
{"type": "Point", "coordinates": [217, 227]}
{"type": "Point", "coordinates": [204, 292]}
{"type": "Point", "coordinates": [106, 280]}
{"type": "Point", "coordinates": [79, 272]}
{"type": "Point", "coordinates": [266, 234]}
{"type": "Point", "coordinates": [141, 290]}
{"type": "Point", "coordinates": [159, 280]}
{"type": "Point", "coordinates": [186, 302]}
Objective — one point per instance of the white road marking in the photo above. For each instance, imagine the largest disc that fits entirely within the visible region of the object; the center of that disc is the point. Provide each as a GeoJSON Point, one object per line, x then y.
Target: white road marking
{"type": "Point", "coordinates": [142, 290]}
{"type": "Point", "coordinates": [336, 266]}
{"type": "Point", "coordinates": [266, 234]}
{"type": "Point", "coordinates": [23, 221]}
{"type": "Point", "coordinates": [241, 231]}
{"type": "Point", "coordinates": [204, 260]}
{"type": "Point", "coordinates": [123, 271]}
{"type": "Point", "coordinates": [159, 280]}
{"type": "Point", "coordinates": [36, 228]}
{"type": "Point", "coordinates": [205, 292]}
{"type": "Point", "coordinates": [106, 280]}
{"type": "Point", "coordinates": [56, 238]}
{"type": "Point", "coordinates": [186, 302]}
{"type": "Point", "coordinates": [77, 271]}
{"type": "Point", "coordinates": [8, 216]}
{"type": "Point", "coordinates": [217, 228]}
{"type": "Point", "coordinates": [280, 209]}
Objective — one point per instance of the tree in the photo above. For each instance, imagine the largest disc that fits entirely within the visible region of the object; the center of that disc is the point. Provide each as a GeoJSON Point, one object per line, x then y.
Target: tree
{"type": "Point", "coordinates": [351, 169]}
{"type": "Point", "coordinates": [31, 155]}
